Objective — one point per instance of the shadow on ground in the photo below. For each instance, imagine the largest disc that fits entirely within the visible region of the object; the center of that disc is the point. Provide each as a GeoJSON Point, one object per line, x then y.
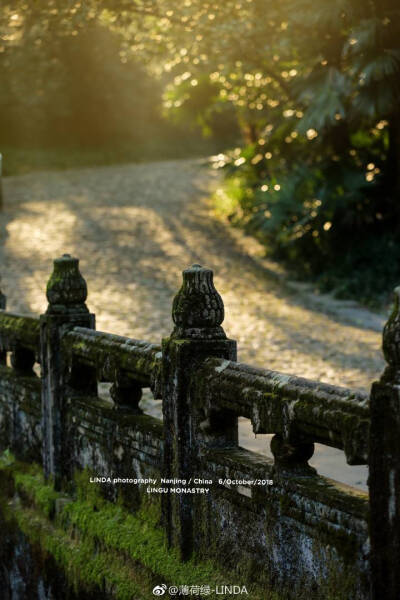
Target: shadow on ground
{"type": "Point", "coordinates": [135, 227]}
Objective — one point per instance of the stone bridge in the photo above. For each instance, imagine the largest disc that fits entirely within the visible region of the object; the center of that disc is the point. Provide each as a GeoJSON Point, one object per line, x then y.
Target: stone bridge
{"type": "Point", "coordinates": [100, 500]}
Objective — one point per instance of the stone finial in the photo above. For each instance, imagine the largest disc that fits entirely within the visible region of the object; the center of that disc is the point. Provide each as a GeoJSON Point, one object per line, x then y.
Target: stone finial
{"type": "Point", "coordinates": [198, 310]}
{"type": "Point", "coordinates": [391, 339]}
{"type": "Point", "coordinates": [66, 289]}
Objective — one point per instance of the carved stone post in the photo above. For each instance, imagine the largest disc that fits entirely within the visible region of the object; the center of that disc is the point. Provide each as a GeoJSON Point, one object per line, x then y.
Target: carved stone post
{"type": "Point", "coordinates": [384, 468]}
{"type": "Point", "coordinates": [3, 302]}
{"type": "Point", "coordinates": [66, 293]}
{"type": "Point", "coordinates": [197, 312]}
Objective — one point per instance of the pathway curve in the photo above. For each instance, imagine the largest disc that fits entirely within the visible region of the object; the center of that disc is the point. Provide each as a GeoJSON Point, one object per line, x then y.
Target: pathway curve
{"type": "Point", "coordinates": [134, 228]}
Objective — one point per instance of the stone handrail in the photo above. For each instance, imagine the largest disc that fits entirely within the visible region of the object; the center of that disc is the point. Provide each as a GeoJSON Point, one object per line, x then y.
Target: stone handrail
{"type": "Point", "coordinates": [115, 355]}
{"type": "Point", "coordinates": [290, 406]}
{"type": "Point", "coordinates": [19, 330]}
{"type": "Point", "coordinates": [20, 335]}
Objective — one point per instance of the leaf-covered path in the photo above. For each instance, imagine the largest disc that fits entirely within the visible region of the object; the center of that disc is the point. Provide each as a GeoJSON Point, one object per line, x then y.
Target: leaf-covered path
{"type": "Point", "coordinates": [134, 228]}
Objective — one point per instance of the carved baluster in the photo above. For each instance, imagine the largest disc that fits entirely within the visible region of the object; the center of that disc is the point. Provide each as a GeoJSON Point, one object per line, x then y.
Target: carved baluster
{"type": "Point", "coordinates": [22, 360]}
{"type": "Point", "coordinates": [290, 451]}
{"type": "Point", "coordinates": [292, 456]}
{"type": "Point", "coordinates": [197, 312]}
{"type": "Point", "coordinates": [384, 467]}
{"type": "Point", "coordinates": [126, 393]}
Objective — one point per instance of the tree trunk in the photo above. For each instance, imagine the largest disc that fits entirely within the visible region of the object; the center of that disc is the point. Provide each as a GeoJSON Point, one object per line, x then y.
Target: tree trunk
{"type": "Point", "coordinates": [393, 160]}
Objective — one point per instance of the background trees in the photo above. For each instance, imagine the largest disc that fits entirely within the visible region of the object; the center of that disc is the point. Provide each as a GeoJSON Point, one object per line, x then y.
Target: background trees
{"type": "Point", "coordinates": [306, 94]}
{"type": "Point", "coordinates": [315, 91]}
{"type": "Point", "coordinates": [69, 79]}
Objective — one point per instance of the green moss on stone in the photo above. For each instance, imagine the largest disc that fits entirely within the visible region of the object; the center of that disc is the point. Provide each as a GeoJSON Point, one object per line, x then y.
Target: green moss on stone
{"type": "Point", "coordinates": [83, 564]}
{"type": "Point", "coordinates": [100, 544]}
{"type": "Point", "coordinates": [43, 496]}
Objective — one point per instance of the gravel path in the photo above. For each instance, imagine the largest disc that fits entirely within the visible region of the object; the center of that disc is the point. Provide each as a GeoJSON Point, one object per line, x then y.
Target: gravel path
{"type": "Point", "coordinates": [134, 228]}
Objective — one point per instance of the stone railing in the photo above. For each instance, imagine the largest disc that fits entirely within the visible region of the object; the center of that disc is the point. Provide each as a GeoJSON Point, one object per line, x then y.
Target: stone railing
{"type": "Point", "coordinates": [275, 521]}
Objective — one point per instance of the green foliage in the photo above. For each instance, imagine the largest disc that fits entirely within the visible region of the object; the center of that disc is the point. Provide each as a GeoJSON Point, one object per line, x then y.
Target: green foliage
{"type": "Point", "coordinates": [43, 496]}
{"type": "Point", "coordinates": [104, 546]}
{"type": "Point", "coordinates": [308, 91]}
{"type": "Point", "coordinates": [6, 459]}
{"type": "Point", "coordinates": [330, 218]}
{"type": "Point", "coordinates": [71, 80]}
{"type": "Point", "coordinates": [319, 182]}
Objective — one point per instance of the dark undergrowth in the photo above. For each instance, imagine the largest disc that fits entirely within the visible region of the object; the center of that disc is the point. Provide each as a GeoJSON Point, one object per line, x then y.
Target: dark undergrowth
{"type": "Point", "coordinates": [327, 224]}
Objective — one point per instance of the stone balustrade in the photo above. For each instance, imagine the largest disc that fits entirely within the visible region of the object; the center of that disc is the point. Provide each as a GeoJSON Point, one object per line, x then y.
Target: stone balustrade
{"type": "Point", "coordinates": [276, 521]}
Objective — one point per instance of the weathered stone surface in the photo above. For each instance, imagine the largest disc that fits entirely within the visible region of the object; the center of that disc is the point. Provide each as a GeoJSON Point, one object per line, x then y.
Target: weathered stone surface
{"type": "Point", "coordinates": [66, 289]}
{"type": "Point", "coordinates": [198, 313]}
{"type": "Point", "coordinates": [126, 394]}
{"type": "Point", "coordinates": [103, 551]}
{"type": "Point", "coordinates": [305, 535]}
{"type": "Point", "coordinates": [198, 310]}
{"type": "Point", "coordinates": [391, 341]}
{"type": "Point", "coordinates": [384, 467]}
{"type": "Point", "coordinates": [20, 414]}
{"type": "Point", "coordinates": [113, 444]}
{"type": "Point", "coordinates": [292, 457]}
{"type": "Point", "coordinates": [109, 354]}
{"type": "Point", "coordinates": [19, 331]}
{"type": "Point", "coordinates": [294, 534]}
{"type": "Point", "coordinates": [66, 292]}
{"type": "Point", "coordinates": [294, 407]}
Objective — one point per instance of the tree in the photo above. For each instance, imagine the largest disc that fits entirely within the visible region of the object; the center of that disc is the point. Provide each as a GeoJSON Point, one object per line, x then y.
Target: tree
{"type": "Point", "coordinates": [315, 89]}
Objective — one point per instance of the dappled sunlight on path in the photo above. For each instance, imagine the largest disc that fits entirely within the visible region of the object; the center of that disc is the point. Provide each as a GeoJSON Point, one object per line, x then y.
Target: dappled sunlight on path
{"type": "Point", "coordinates": [135, 227]}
